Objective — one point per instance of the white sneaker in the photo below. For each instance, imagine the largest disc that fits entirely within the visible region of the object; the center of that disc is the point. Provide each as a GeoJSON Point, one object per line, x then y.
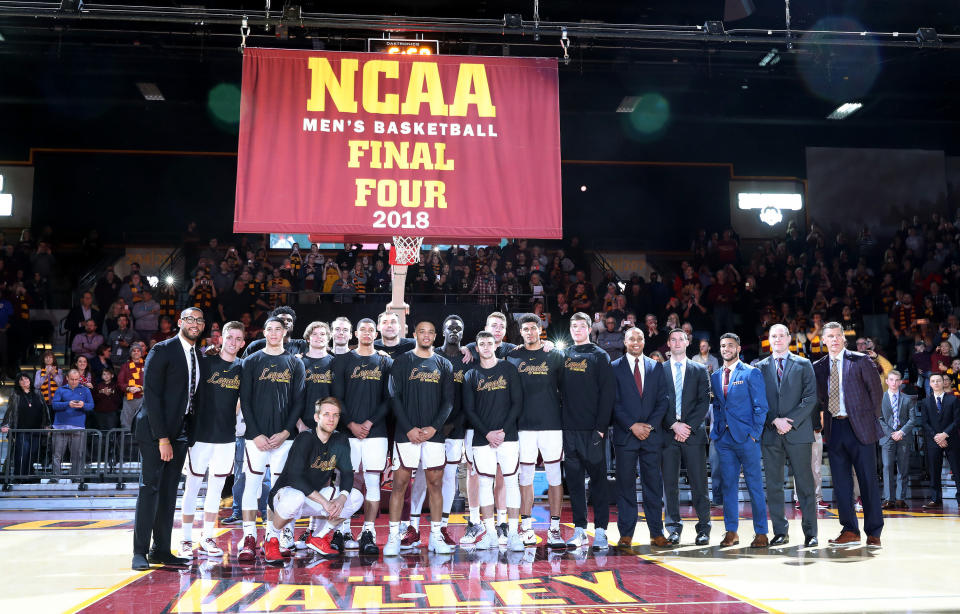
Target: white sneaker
{"type": "Point", "coordinates": [286, 538]}
{"type": "Point", "coordinates": [349, 543]}
{"type": "Point", "coordinates": [529, 538]}
{"type": "Point", "coordinates": [186, 549]}
{"type": "Point", "coordinates": [393, 545]}
{"type": "Point", "coordinates": [472, 535]}
{"type": "Point", "coordinates": [600, 540]}
{"type": "Point", "coordinates": [208, 547]}
{"type": "Point", "coordinates": [438, 545]}
{"type": "Point", "coordinates": [579, 539]}
{"type": "Point", "coordinates": [487, 541]}
{"type": "Point", "coordinates": [554, 539]}
{"type": "Point", "coordinates": [515, 543]}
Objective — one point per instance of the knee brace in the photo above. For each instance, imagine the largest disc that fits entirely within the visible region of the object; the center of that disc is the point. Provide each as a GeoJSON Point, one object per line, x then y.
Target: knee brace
{"type": "Point", "coordinates": [211, 504]}
{"type": "Point", "coordinates": [511, 489]}
{"type": "Point", "coordinates": [191, 487]}
{"type": "Point", "coordinates": [525, 476]}
{"type": "Point", "coordinates": [554, 474]}
{"type": "Point", "coordinates": [418, 492]}
{"type": "Point", "coordinates": [486, 490]}
{"type": "Point", "coordinates": [449, 486]}
{"type": "Point", "coordinates": [371, 480]}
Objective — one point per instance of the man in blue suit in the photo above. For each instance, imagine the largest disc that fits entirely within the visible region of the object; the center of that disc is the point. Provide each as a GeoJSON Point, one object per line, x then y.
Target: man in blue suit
{"type": "Point", "coordinates": [638, 411]}
{"type": "Point", "coordinates": [739, 412]}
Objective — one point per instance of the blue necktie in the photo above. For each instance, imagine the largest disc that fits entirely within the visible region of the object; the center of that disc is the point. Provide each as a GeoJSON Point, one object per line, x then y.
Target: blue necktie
{"type": "Point", "coordinates": [939, 404]}
{"type": "Point", "coordinates": [678, 384]}
{"type": "Point", "coordinates": [896, 412]}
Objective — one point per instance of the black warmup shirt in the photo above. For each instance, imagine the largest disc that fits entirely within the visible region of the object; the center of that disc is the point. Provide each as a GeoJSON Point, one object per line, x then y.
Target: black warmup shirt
{"type": "Point", "coordinates": [421, 391]}
{"type": "Point", "coordinates": [216, 421]}
{"type": "Point", "coordinates": [492, 400]}
{"type": "Point", "coordinates": [311, 463]}
{"type": "Point", "coordinates": [271, 393]}
{"type": "Point", "coordinates": [540, 374]}
{"type": "Point", "coordinates": [294, 346]}
{"type": "Point", "coordinates": [588, 389]}
{"type": "Point", "coordinates": [362, 383]}
{"type": "Point", "coordinates": [318, 384]}
{"type": "Point", "coordinates": [404, 345]}
{"type": "Point", "coordinates": [455, 426]}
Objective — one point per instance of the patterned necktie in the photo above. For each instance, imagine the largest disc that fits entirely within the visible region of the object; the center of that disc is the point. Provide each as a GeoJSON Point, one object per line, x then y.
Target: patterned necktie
{"type": "Point", "coordinates": [193, 380]}
{"type": "Point", "coordinates": [896, 411]}
{"type": "Point", "coordinates": [833, 403]}
{"type": "Point", "coordinates": [939, 405]}
{"type": "Point", "coordinates": [678, 385]}
{"type": "Point", "coordinates": [779, 370]}
{"type": "Point", "coordinates": [726, 380]}
{"type": "Point", "coordinates": [636, 376]}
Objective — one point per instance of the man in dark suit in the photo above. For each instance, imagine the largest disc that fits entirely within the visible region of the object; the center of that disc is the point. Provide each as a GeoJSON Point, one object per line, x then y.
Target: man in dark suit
{"type": "Point", "coordinates": [739, 412]}
{"type": "Point", "coordinates": [638, 411]}
{"type": "Point", "coordinates": [163, 432]}
{"type": "Point", "coordinates": [688, 398]}
{"type": "Point", "coordinates": [940, 414]}
{"type": "Point", "coordinates": [791, 389]}
{"type": "Point", "coordinates": [899, 417]}
{"type": "Point", "coordinates": [848, 386]}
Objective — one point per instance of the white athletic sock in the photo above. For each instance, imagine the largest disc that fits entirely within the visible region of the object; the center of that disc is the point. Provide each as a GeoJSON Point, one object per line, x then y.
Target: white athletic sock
{"type": "Point", "coordinates": [415, 521]}
{"type": "Point", "coordinates": [435, 528]}
{"type": "Point", "coordinates": [369, 526]}
{"type": "Point", "coordinates": [490, 525]}
{"type": "Point", "coordinates": [323, 530]}
{"type": "Point", "coordinates": [554, 523]}
{"type": "Point", "coordinates": [271, 530]}
{"type": "Point", "coordinates": [512, 525]}
{"type": "Point", "coordinates": [501, 516]}
{"type": "Point", "coordinates": [526, 522]}
{"type": "Point", "coordinates": [249, 528]}
{"type": "Point", "coordinates": [445, 520]}
{"type": "Point", "coordinates": [475, 515]}
{"type": "Point", "coordinates": [188, 532]}
{"type": "Point", "coordinates": [209, 528]}
{"type": "Point", "coordinates": [394, 528]}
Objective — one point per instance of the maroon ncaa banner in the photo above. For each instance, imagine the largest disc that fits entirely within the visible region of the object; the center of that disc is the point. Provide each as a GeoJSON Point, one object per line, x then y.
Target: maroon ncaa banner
{"type": "Point", "coordinates": [362, 146]}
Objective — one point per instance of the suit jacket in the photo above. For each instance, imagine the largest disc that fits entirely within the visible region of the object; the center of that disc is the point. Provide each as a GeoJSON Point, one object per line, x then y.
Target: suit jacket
{"type": "Point", "coordinates": [861, 395]}
{"type": "Point", "coordinates": [165, 378]}
{"type": "Point", "coordinates": [944, 421]}
{"type": "Point", "coordinates": [694, 402]}
{"type": "Point", "coordinates": [795, 397]}
{"type": "Point", "coordinates": [744, 408]}
{"type": "Point", "coordinates": [906, 413]}
{"type": "Point", "coordinates": [629, 407]}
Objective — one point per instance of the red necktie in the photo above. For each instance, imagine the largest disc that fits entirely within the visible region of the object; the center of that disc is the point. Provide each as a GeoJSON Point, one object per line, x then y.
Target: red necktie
{"type": "Point", "coordinates": [726, 381]}
{"type": "Point", "coordinates": [636, 376]}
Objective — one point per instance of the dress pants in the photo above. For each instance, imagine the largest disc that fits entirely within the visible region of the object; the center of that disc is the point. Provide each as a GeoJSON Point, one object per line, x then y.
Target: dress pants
{"type": "Point", "coordinates": [735, 455]}
{"type": "Point", "coordinates": [585, 452]}
{"type": "Point", "coordinates": [157, 499]}
{"type": "Point", "coordinates": [935, 456]}
{"type": "Point", "coordinates": [652, 483]}
{"type": "Point", "coordinates": [896, 468]}
{"type": "Point", "coordinates": [776, 452]}
{"type": "Point", "coordinates": [694, 457]}
{"type": "Point", "coordinates": [847, 455]}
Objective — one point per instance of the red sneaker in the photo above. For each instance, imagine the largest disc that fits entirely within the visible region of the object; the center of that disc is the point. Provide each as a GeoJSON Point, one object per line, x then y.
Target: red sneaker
{"type": "Point", "coordinates": [411, 539]}
{"type": "Point", "coordinates": [446, 537]}
{"type": "Point", "coordinates": [322, 545]}
{"type": "Point", "coordinates": [271, 551]}
{"type": "Point", "coordinates": [246, 553]}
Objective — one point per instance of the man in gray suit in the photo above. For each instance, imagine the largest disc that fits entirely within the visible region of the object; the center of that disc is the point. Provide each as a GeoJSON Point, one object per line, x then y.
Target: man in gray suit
{"type": "Point", "coordinates": [788, 434]}
{"type": "Point", "coordinates": [899, 418]}
{"type": "Point", "coordinates": [684, 437]}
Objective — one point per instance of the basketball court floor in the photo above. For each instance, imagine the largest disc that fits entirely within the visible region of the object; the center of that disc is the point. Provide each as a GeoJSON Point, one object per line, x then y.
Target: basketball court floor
{"type": "Point", "coordinates": [74, 561]}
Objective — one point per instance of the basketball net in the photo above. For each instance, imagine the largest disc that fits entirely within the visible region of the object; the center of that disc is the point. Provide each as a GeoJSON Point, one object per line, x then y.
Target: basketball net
{"type": "Point", "coordinates": [403, 252]}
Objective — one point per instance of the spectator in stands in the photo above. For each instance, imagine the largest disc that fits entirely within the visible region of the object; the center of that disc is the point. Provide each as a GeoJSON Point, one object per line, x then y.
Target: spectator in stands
{"type": "Point", "coordinates": [611, 338]}
{"type": "Point", "coordinates": [121, 339]}
{"type": "Point", "coordinates": [75, 322]}
{"type": "Point", "coordinates": [117, 308]}
{"type": "Point", "coordinates": [86, 343]}
{"type": "Point", "coordinates": [132, 289]}
{"type": "Point", "coordinates": [6, 317]}
{"type": "Point", "coordinates": [705, 358]}
{"type": "Point", "coordinates": [919, 370]}
{"type": "Point", "coordinates": [380, 278]}
{"type": "Point", "coordinates": [233, 302]}
{"type": "Point", "coordinates": [82, 366]}
{"type": "Point", "coordinates": [343, 288]}
{"type": "Point", "coordinates": [166, 331]}
{"type": "Point", "coordinates": [101, 361]}
{"type": "Point", "coordinates": [223, 277]}
{"type": "Point", "coordinates": [903, 317]}
{"type": "Point", "coordinates": [48, 377]}
{"type": "Point", "coordinates": [485, 286]}
{"type": "Point", "coordinates": [134, 269]}
{"type": "Point", "coordinates": [71, 404]}
{"type": "Point", "coordinates": [146, 314]}
{"type": "Point", "coordinates": [940, 360]}
{"type": "Point", "coordinates": [202, 295]}
{"type": "Point", "coordinates": [107, 289]}
{"type": "Point", "coordinates": [106, 404]}
{"type": "Point", "coordinates": [26, 409]}
{"type": "Point", "coordinates": [130, 382]}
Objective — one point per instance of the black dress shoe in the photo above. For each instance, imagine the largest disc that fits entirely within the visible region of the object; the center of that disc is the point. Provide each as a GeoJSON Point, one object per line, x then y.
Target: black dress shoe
{"type": "Point", "coordinates": [702, 539]}
{"type": "Point", "coordinates": [779, 539]}
{"type": "Point", "coordinates": [159, 558]}
{"type": "Point", "coordinates": [140, 563]}
{"type": "Point", "coordinates": [674, 538]}
{"type": "Point", "coordinates": [810, 542]}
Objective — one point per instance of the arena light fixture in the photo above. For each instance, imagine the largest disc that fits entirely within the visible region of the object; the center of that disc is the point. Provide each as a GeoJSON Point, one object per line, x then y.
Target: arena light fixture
{"type": "Point", "coordinates": [628, 104]}
{"type": "Point", "coordinates": [153, 280]}
{"type": "Point", "coordinates": [170, 280]}
{"type": "Point", "coordinates": [6, 201]}
{"type": "Point", "coordinates": [845, 110]}
{"type": "Point", "coordinates": [403, 46]}
{"type": "Point", "coordinates": [150, 91]}
{"type": "Point", "coordinates": [771, 59]}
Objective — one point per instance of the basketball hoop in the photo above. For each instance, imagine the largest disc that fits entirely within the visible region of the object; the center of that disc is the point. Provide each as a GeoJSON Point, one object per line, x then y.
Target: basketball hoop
{"type": "Point", "coordinates": [403, 252]}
